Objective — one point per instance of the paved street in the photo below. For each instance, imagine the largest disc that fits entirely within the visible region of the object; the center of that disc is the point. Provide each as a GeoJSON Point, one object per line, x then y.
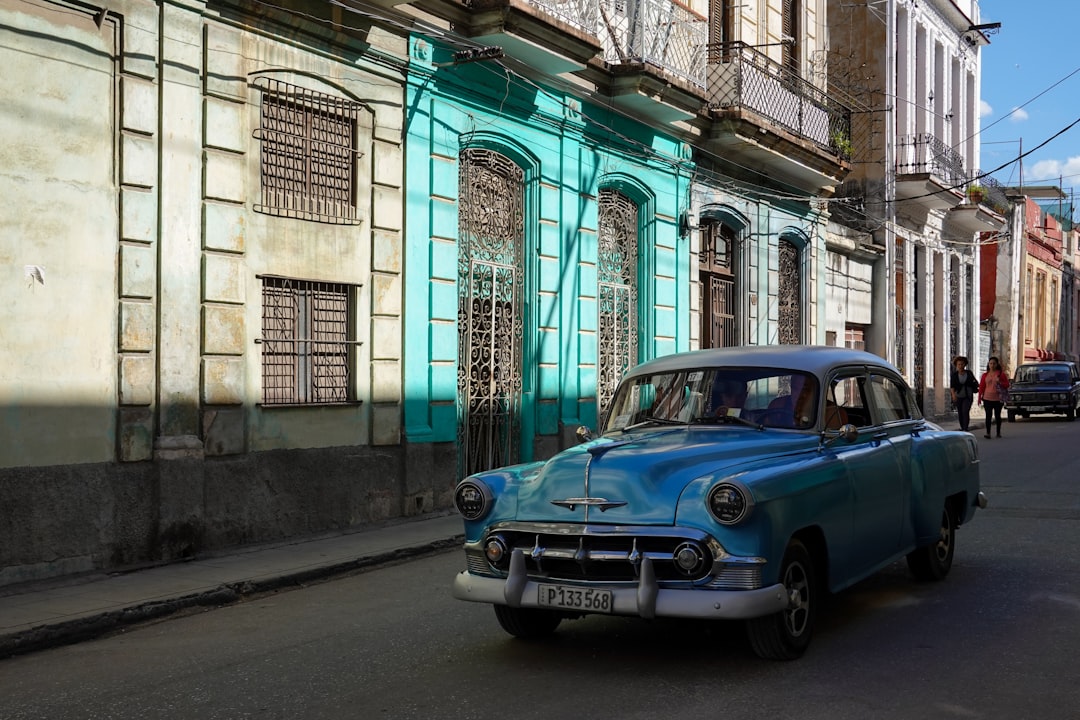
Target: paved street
{"type": "Point", "coordinates": [997, 639]}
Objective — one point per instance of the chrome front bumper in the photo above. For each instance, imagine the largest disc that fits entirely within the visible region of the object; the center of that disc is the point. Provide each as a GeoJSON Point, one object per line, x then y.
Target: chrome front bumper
{"type": "Point", "coordinates": [646, 600]}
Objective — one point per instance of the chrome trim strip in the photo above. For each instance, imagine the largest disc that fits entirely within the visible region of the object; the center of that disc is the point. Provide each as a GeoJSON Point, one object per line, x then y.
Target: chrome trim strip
{"type": "Point", "coordinates": [573, 529]}
{"type": "Point", "coordinates": [603, 503]}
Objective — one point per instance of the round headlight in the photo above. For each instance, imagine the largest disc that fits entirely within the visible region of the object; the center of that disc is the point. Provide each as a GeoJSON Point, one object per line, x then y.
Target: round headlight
{"type": "Point", "coordinates": [729, 504]}
{"type": "Point", "coordinates": [472, 499]}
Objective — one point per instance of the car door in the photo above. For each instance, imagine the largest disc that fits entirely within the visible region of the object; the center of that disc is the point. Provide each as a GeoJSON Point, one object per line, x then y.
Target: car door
{"type": "Point", "coordinates": [874, 472]}
{"type": "Point", "coordinates": [881, 488]}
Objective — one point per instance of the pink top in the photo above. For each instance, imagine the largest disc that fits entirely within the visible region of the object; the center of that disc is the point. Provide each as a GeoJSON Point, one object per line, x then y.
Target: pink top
{"type": "Point", "coordinates": [989, 385]}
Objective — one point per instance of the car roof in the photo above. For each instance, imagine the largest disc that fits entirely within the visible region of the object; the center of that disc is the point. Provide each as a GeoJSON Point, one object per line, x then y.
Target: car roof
{"type": "Point", "coordinates": [815, 359]}
{"type": "Point", "coordinates": [1047, 363]}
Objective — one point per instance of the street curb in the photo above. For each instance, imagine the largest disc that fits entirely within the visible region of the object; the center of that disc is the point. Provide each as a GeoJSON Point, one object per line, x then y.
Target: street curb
{"type": "Point", "coordinates": [69, 632]}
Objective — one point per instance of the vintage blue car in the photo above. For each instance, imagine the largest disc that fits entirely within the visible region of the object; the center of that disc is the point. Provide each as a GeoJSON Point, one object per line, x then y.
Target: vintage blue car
{"type": "Point", "coordinates": [1044, 387]}
{"type": "Point", "coordinates": [736, 483]}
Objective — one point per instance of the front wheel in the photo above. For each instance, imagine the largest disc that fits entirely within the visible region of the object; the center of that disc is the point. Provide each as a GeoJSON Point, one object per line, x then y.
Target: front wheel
{"type": "Point", "coordinates": [1011, 414]}
{"type": "Point", "coordinates": [933, 561]}
{"type": "Point", "coordinates": [786, 635]}
{"type": "Point", "coordinates": [1070, 414]}
{"type": "Point", "coordinates": [527, 623]}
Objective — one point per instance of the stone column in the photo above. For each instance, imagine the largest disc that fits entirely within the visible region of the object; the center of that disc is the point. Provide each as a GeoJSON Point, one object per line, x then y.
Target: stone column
{"type": "Point", "coordinates": [179, 246]}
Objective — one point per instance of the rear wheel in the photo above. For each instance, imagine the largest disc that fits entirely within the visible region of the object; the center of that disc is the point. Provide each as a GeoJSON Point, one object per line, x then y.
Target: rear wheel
{"type": "Point", "coordinates": [786, 635]}
{"type": "Point", "coordinates": [933, 561]}
{"type": "Point", "coordinates": [526, 622]}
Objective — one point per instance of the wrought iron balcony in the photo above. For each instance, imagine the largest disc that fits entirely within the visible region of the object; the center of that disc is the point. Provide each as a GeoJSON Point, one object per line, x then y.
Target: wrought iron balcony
{"type": "Point", "coordinates": [995, 193]}
{"type": "Point", "coordinates": [741, 77]}
{"type": "Point", "coordinates": [658, 32]}
{"type": "Point", "coordinates": [925, 154]}
{"type": "Point", "coordinates": [581, 15]}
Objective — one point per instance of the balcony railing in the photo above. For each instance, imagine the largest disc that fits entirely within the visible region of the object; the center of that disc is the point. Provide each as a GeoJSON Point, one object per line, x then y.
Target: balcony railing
{"type": "Point", "coordinates": [926, 154]}
{"type": "Point", "coordinates": [659, 32]}
{"type": "Point", "coordinates": [581, 15]}
{"type": "Point", "coordinates": [741, 77]}
{"type": "Point", "coordinates": [995, 193]}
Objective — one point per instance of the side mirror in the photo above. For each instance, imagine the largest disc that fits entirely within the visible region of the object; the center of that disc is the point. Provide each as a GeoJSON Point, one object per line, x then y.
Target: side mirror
{"type": "Point", "coordinates": [584, 434]}
{"type": "Point", "coordinates": [849, 432]}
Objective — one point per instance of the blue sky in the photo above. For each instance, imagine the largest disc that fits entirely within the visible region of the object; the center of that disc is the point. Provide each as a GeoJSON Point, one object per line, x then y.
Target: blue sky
{"type": "Point", "coordinates": [1031, 91]}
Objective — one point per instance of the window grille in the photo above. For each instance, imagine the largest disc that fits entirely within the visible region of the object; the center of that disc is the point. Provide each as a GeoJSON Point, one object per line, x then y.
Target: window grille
{"type": "Point", "coordinates": [307, 343]}
{"type": "Point", "coordinates": [308, 155]}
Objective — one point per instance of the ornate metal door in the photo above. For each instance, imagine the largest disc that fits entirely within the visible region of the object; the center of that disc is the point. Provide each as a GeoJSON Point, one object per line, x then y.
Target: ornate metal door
{"type": "Point", "coordinates": [954, 307]}
{"type": "Point", "coordinates": [789, 316]}
{"type": "Point", "coordinates": [918, 372]}
{"type": "Point", "coordinates": [900, 330]}
{"type": "Point", "coordinates": [717, 285]}
{"type": "Point", "coordinates": [617, 301]}
{"type": "Point", "coordinates": [490, 276]}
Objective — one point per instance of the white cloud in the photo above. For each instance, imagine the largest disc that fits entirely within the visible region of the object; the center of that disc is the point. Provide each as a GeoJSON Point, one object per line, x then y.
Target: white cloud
{"type": "Point", "coordinates": [1044, 169]}
{"type": "Point", "coordinates": [1018, 115]}
{"type": "Point", "coordinates": [984, 109]}
{"type": "Point", "coordinates": [1046, 172]}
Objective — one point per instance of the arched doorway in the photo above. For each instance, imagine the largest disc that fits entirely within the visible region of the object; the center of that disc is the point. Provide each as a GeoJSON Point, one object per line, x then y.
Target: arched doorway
{"type": "Point", "coordinates": [617, 268]}
{"type": "Point", "coordinates": [491, 232]}
{"type": "Point", "coordinates": [789, 295]}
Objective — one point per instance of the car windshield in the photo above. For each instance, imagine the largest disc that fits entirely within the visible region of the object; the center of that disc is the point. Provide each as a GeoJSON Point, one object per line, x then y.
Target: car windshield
{"type": "Point", "coordinates": [747, 396]}
{"type": "Point", "coordinates": [1043, 374]}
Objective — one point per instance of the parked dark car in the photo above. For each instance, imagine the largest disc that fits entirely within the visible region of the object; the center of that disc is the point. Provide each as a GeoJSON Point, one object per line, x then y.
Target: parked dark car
{"type": "Point", "coordinates": [737, 484]}
{"type": "Point", "coordinates": [1044, 387]}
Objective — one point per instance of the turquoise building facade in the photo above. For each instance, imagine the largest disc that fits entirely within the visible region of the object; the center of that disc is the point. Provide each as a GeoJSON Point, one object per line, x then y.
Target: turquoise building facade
{"type": "Point", "coordinates": [546, 250]}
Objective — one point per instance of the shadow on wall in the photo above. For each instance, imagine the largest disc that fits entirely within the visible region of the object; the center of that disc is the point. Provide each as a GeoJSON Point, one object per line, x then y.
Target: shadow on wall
{"type": "Point", "coordinates": [64, 519]}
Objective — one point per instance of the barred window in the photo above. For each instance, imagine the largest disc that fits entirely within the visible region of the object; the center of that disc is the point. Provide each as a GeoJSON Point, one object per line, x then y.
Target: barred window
{"type": "Point", "coordinates": [308, 155]}
{"type": "Point", "coordinates": [307, 342]}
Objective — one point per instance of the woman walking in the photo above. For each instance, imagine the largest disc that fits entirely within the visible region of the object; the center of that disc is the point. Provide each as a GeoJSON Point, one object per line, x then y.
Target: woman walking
{"type": "Point", "coordinates": [993, 392]}
{"type": "Point", "coordinates": [963, 385]}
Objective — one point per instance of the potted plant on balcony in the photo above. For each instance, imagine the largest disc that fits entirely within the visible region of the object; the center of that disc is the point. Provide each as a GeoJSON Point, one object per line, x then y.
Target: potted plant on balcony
{"type": "Point", "coordinates": [842, 143]}
{"type": "Point", "coordinates": [976, 193]}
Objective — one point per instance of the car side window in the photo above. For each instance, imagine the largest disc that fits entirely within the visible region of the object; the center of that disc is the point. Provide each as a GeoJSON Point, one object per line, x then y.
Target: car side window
{"type": "Point", "coordinates": [845, 403]}
{"type": "Point", "coordinates": [889, 399]}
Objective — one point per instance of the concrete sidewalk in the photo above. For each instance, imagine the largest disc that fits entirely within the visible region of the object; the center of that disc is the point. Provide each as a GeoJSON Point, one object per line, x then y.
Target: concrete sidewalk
{"type": "Point", "coordinates": [40, 615]}
{"type": "Point", "coordinates": [36, 616]}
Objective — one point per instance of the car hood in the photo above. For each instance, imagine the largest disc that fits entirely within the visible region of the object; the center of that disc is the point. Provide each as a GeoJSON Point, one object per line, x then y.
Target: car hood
{"type": "Point", "coordinates": [638, 478]}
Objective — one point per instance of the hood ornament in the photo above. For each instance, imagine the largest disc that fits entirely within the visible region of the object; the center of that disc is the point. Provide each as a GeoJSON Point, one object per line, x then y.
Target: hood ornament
{"type": "Point", "coordinates": [602, 503]}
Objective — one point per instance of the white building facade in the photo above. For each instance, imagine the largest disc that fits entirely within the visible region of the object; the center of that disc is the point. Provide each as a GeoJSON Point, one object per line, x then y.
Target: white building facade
{"type": "Point", "coordinates": [916, 68]}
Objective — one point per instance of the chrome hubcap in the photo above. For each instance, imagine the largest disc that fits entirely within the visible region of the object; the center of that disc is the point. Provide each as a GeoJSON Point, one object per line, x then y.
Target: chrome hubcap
{"type": "Point", "coordinates": [797, 616]}
{"type": "Point", "coordinates": [944, 538]}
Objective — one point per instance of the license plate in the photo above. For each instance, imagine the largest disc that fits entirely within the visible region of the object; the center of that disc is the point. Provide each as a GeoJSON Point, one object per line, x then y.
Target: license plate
{"type": "Point", "coordinates": [1035, 409]}
{"type": "Point", "coordinates": [573, 598]}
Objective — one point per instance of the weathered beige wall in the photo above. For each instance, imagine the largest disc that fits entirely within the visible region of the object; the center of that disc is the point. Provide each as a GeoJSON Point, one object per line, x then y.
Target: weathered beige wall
{"type": "Point", "coordinates": [130, 172]}
{"type": "Point", "coordinates": [57, 180]}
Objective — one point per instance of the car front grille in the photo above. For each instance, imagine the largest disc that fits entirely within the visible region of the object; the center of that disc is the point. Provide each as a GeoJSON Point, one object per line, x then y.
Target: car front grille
{"type": "Point", "coordinates": [584, 555]}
